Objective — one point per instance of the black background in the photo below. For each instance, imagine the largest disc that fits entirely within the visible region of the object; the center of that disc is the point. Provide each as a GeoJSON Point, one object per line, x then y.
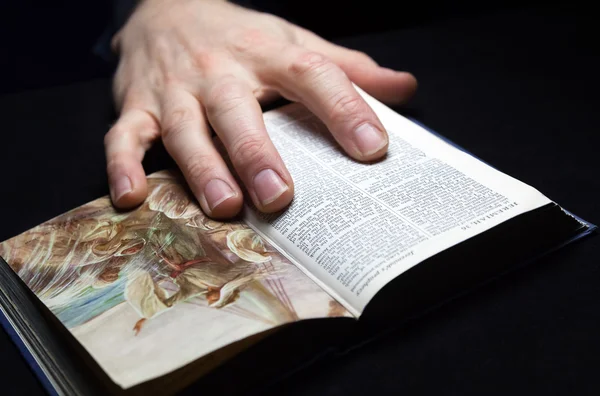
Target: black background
{"type": "Point", "coordinates": [516, 85]}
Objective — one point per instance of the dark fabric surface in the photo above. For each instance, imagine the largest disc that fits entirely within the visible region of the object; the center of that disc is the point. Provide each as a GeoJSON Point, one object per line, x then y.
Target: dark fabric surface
{"type": "Point", "coordinates": [46, 43]}
{"type": "Point", "coordinates": [518, 88]}
{"type": "Point", "coordinates": [53, 43]}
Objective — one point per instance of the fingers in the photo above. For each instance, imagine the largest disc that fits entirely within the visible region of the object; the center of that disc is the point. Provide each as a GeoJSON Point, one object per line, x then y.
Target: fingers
{"type": "Point", "coordinates": [387, 85]}
{"type": "Point", "coordinates": [125, 145]}
{"type": "Point", "coordinates": [236, 116]}
{"type": "Point", "coordinates": [186, 137]}
{"type": "Point", "coordinates": [325, 89]}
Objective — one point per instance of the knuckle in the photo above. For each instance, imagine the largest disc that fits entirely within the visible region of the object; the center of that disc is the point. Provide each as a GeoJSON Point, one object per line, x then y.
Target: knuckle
{"type": "Point", "coordinates": [178, 120]}
{"type": "Point", "coordinates": [249, 151]}
{"type": "Point", "coordinates": [226, 96]}
{"type": "Point", "coordinates": [249, 39]}
{"type": "Point", "coordinates": [346, 106]}
{"type": "Point", "coordinates": [308, 63]}
{"type": "Point", "coordinates": [198, 166]}
{"type": "Point", "coordinates": [204, 59]}
{"type": "Point", "coordinates": [181, 116]}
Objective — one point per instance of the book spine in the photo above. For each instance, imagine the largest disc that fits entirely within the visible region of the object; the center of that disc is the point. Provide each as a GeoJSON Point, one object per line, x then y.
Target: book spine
{"type": "Point", "coordinates": [26, 353]}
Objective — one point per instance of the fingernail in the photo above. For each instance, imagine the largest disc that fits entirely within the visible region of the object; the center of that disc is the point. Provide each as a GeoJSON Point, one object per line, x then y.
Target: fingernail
{"type": "Point", "coordinates": [268, 186]}
{"type": "Point", "coordinates": [121, 187]}
{"type": "Point", "coordinates": [216, 192]}
{"type": "Point", "coordinates": [369, 139]}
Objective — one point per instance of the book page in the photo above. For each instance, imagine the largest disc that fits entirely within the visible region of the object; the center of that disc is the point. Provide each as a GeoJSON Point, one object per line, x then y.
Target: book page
{"type": "Point", "coordinates": [150, 290]}
{"type": "Point", "coordinates": [353, 227]}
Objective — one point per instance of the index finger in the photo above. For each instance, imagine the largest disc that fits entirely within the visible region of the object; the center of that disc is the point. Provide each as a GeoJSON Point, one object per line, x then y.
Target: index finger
{"type": "Point", "coordinates": [317, 82]}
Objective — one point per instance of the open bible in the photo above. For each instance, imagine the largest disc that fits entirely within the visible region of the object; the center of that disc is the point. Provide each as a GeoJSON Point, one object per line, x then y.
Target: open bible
{"type": "Point", "coordinates": [163, 294]}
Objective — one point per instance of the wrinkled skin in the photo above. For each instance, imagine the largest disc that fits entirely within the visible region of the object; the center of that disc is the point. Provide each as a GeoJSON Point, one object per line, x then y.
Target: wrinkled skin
{"type": "Point", "coordinates": [188, 65]}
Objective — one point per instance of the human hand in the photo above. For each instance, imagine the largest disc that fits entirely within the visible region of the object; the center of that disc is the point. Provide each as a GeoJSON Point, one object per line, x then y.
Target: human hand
{"type": "Point", "coordinates": [185, 64]}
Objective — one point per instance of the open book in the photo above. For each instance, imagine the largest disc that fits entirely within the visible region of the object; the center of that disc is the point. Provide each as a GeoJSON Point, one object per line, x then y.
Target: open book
{"type": "Point", "coordinates": [153, 290]}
